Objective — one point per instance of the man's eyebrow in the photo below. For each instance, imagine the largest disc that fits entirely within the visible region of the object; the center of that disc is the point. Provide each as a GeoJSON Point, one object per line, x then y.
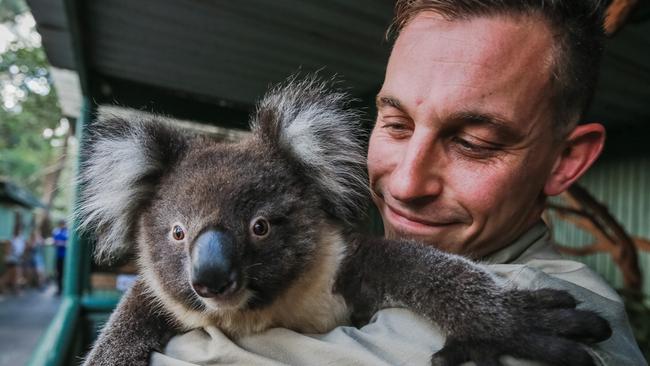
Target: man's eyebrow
{"type": "Point", "coordinates": [499, 124]}
{"type": "Point", "coordinates": [385, 100]}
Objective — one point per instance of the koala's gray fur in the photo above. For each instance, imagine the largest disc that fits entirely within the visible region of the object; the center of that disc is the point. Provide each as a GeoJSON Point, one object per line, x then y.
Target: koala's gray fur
{"type": "Point", "coordinates": [302, 170]}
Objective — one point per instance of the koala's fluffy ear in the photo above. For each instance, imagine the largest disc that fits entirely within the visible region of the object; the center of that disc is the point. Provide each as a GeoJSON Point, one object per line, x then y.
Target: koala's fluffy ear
{"type": "Point", "coordinates": [123, 161]}
{"type": "Point", "coordinates": [315, 125]}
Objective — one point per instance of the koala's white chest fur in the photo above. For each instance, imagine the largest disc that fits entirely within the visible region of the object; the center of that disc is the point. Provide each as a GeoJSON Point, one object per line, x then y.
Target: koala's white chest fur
{"type": "Point", "coordinates": [308, 306]}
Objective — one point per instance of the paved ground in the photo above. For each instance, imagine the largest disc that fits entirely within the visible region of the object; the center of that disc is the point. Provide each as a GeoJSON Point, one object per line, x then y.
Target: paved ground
{"type": "Point", "coordinates": [23, 318]}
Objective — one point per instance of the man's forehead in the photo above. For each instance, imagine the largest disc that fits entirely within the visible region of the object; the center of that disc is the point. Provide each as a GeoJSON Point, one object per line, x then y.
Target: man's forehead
{"type": "Point", "coordinates": [494, 68]}
{"type": "Point", "coordinates": [487, 41]}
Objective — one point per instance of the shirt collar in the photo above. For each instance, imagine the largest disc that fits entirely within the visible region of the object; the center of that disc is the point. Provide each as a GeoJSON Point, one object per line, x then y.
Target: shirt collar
{"type": "Point", "coordinates": [537, 234]}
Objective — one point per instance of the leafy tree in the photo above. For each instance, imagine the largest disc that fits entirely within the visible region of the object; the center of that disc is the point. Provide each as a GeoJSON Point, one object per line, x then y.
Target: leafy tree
{"type": "Point", "coordinates": [10, 8]}
{"type": "Point", "coordinates": [33, 132]}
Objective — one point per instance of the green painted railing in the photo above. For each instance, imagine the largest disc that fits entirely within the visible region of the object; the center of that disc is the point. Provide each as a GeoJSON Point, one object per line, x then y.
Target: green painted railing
{"type": "Point", "coordinates": [53, 345]}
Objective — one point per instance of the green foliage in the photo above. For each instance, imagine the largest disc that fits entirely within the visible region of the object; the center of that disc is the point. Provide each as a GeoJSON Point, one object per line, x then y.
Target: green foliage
{"type": "Point", "coordinates": [10, 8]}
{"type": "Point", "coordinates": [24, 152]}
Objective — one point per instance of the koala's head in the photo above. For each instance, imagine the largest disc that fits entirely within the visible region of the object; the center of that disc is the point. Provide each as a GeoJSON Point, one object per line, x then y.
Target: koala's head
{"type": "Point", "coordinates": [227, 225]}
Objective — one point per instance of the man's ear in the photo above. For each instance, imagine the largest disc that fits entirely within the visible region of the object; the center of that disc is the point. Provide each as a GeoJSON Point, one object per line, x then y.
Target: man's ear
{"type": "Point", "coordinates": [582, 147]}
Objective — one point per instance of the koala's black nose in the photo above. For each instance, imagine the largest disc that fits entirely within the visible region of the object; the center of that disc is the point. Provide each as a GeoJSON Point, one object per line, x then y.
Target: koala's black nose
{"type": "Point", "coordinates": [215, 270]}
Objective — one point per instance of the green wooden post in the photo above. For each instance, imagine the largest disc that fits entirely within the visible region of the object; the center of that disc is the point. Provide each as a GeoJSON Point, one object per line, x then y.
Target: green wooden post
{"type": "Point", "coordinates": [78, 256]}
{"type": "Point", "coordinates": [55, 344]}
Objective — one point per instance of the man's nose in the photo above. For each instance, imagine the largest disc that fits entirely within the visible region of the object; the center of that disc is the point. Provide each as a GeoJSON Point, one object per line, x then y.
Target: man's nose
{"type": "Point", "coordinates": [419, 174]}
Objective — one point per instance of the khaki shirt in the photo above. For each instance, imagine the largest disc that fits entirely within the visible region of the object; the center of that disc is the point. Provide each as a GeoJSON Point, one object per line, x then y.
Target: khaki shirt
{"type": "Point", "coordinates": [399, 337]}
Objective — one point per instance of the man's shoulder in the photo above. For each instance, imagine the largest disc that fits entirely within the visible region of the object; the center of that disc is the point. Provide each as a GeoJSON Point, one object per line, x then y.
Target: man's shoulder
{"type": "Point", "coordinates": [592, 292]}
{"type": "Point", "coordinates": [532, 261]}
{"type": "Point", "coordinates": [557, 273]}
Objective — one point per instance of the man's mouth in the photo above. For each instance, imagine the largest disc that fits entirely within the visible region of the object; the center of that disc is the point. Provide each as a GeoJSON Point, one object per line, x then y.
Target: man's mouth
{"type": "Point", "coordinates": [410, 222]}
{"type": "Point", "coordinates": [402, 215]}
{"type": "Point", "coordinates": [403, 222]}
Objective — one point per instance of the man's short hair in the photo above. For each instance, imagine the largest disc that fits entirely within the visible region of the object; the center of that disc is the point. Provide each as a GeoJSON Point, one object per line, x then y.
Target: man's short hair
{"type": "Point", "coordinates": [578, 34]}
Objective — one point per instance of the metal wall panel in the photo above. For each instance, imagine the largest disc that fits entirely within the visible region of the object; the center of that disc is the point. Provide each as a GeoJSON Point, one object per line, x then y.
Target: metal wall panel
{"type": "Point", "coordinates": [623, 185]}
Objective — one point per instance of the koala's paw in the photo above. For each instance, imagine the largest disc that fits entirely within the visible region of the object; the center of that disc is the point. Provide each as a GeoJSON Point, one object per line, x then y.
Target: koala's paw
{"type": "Point", "coordinates": [541, 325]}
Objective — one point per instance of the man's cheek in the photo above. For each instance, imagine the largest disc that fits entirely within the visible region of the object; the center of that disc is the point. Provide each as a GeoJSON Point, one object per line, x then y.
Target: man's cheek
{"type": "Point", "coordinates": [382, 158]}
{"type": "Point", "coordinates": [479, 189]}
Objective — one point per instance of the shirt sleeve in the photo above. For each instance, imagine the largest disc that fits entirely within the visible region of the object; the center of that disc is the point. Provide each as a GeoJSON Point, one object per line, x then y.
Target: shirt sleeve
{"type": "Point", "coordinates": [592, 293]}
{"type": "Point", "coordinates": [399, 337]}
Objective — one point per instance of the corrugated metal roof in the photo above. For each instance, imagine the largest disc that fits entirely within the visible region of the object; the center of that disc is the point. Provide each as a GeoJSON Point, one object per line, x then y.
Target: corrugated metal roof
{"type": "Point", "coordinates": [233, 50]}
{"type": "Point", "coordinates": [10, 193]}
{"type": "Point", "coordinates": [228, 52]}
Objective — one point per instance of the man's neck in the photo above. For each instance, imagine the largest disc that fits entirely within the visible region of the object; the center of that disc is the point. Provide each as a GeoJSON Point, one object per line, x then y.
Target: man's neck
{"type": "Point", "coordinates": [509, 253]}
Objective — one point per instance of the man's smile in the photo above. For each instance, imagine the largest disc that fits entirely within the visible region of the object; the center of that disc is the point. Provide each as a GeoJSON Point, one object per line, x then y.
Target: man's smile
{"type": "Point", "coordinates": [410, 219]}
{"type": "Point", "coordinates": [407, 223]}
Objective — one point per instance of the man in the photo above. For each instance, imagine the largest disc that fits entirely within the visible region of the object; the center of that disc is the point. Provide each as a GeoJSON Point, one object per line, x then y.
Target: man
{"type": "Point", "coordinates": [476, 126]}
{"type": "Point", "coordinates": [474, 131]}
{"type": "Point", "coordinates": [60, 237]}
{"type": "Point", "coordinates": [11, 279]}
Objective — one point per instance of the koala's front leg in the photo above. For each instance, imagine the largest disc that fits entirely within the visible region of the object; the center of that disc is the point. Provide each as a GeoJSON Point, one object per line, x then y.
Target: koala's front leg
{"type": "Point", "coordinates": [482, 320]}
{"type": "Point", "coordinates": [135, 328]}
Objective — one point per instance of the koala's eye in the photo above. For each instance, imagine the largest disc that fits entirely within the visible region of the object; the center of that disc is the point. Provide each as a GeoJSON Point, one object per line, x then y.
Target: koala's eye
{"type": "Point", "coordinates": [178, 233]}
{"type": "Point", "coordinates": [260, 227]}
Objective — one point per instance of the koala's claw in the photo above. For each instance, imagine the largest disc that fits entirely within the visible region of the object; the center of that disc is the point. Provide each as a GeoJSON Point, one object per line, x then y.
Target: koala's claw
{"type": "Point", "coordinates": [544, 326]}
{"type": "Point", "coordinates": [545, 298]}
{"type": "Point", "coordinates": [578, 325]}
{"type": "Point", "coordinates": [552, 312]}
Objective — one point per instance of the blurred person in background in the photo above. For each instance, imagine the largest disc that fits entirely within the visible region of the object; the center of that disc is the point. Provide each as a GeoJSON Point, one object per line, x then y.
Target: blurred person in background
{"type": "Point", "coordinates": [5, 247]}
{"type": "Point", "coordinates": [33, 263]}
{"type": "Point", "coordinates": [13, 261]}
{"type": "Point", "coordinates": [60, 236]}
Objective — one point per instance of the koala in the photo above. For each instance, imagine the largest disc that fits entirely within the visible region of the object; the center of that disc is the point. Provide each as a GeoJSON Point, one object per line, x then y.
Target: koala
{"type": "Point", "coordinates": [259, 233]}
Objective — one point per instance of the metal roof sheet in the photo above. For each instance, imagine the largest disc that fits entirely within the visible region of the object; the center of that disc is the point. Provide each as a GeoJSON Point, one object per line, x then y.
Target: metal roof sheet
{"type": "Point", "coordinates": [226, 53]}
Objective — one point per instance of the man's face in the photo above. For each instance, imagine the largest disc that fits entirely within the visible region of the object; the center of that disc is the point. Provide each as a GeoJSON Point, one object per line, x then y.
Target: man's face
{"type": "Point", "coordinates": [463, 144]}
